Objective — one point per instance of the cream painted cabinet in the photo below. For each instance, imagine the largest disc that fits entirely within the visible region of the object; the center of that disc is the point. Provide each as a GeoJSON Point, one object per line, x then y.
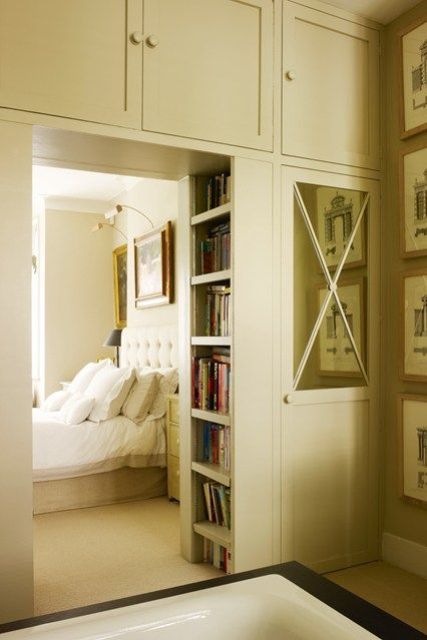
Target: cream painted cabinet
{"type": "Point", "coordinates": [208, 70]}
{"type": "Point", "coordinates": [78, 58]}
{"type": "Point", "coordinates": [330, 88]}
{"type": "Point", "coordinates": [330, 368]}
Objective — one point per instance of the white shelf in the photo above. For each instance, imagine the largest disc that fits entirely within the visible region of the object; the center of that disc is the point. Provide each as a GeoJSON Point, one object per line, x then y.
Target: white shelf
{"type": "Point", "coordinates": [213, 471]}
{"type": "Point", "coordinates": [211, 214]}
{"type": "Point", "coordinates": [211, 341]}
{"type": "Point", "coordinates": [211, 416]}
{"type": "Point", "coordinates": [215, 276]}
{"type": "Point", "coordinates": [214, 532]}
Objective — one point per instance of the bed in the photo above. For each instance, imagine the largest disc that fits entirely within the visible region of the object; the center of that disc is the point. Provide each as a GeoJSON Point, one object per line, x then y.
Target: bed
{"type": "Point", "coordinates": [112, 461]}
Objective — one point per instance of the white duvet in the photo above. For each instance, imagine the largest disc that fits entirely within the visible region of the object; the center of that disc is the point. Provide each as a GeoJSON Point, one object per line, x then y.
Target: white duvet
{"type": "Point", "coordinates": [64, 451]}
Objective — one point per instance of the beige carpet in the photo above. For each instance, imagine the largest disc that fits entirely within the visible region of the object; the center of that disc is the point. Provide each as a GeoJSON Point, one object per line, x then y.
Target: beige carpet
{"type": "Point", "coordinates": [92, 555]}
{"type": "Point", "coordinates": [398, 592]}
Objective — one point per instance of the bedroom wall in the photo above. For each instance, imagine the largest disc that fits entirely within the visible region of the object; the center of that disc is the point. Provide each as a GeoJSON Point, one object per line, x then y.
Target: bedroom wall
{"type": "Point", "coordinates": [16, 535]}
{"type": "Point", "coordinates": [79, 307]}
{"type": "Point", "coordinates": [401, 520]}
{"type": "Point", "coordinates": [159, 200]}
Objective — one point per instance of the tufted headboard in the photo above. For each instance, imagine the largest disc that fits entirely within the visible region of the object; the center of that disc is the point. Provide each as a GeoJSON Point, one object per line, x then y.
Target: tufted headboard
{"type": "Point", "coordinates": [149, 347]}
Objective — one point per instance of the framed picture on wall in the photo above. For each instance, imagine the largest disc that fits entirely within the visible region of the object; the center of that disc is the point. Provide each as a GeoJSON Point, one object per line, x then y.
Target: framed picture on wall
{"type": "Point", "coordinates": [120, 280]}
{"type": "Point", "coordinates": [414, 325]}
{"type": "Point", "coordinates": [154, 267]}
{"type": "Point", "coordinates": [413, 196]}
{"type": "Point", "coordinates": [413, 55]}
{"type": "Point", "coordinates": [412, 448]}
{"type": "Point", "coordinates": [336, 353]}
{"type": "Point", "coordinates": [337, 213]}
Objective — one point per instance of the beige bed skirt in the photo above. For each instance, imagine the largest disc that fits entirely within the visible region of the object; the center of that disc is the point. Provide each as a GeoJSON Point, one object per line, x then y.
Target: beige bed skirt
{"type": "Point", "coordinates": [122, 485]}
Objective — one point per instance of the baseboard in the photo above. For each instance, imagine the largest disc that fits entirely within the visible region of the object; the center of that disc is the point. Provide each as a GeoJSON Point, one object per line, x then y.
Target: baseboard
{"type": "Point", "coordinates": [405, 554]}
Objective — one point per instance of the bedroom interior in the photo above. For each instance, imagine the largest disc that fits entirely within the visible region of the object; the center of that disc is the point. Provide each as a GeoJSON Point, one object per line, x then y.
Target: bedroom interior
{"type": "Point", "coordinates": [215, 306]}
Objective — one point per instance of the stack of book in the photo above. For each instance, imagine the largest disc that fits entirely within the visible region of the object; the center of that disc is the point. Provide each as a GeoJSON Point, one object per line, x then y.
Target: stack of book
{"type": "Point", "coordinates": [218, 310]}
{"type": "Point", "coordinates": [216, 444]}
{"type": "Point", "coordinates": [217, 555]}
{"type": "Point", "coordinates": [215, 249]}
{"type": "Point", "coordinates": [218, 190]}
{"type": "Point", "coordinates": [211, 381]}
{"type": "Point", "coordinates": [217, 502]}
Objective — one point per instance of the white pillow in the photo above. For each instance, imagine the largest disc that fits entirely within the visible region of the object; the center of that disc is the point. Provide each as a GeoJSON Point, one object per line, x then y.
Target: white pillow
{"type": "Point", "coordinates": [168, 383]}
{"type": "Point", "coordinates": [77, 409]}
{"type": "Point", "coordinates": [110, 388]}
{"type": "Point", "coordinates": [85, 376]}
{"type": "Point", "coordinates": [141, 396]}
{"type": "Point", "coordinates": [55, 401]}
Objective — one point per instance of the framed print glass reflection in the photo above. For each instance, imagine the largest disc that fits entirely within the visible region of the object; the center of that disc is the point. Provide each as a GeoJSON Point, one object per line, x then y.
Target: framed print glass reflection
{"type": "Point", "coordinates": [153, 267]}
{"type": "Point", "coordinates": [412, 448]}
{"type": "Point", "coordinates": [336, 352]}
{"type": "Point", "coordinates": [413, 197]}
{"type": "Point", "coordinates": [120, 279]}
{"type": "Point", "coordinates": [337, 213]}
{"type": "Point", "coordinates": [414, 78]}
{"type": "Point", "coordinates": [414, 325]}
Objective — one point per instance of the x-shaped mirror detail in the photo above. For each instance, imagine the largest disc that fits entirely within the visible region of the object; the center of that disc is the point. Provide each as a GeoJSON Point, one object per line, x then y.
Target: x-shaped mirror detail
{"type": "Point", "coordinates": [332, 284]}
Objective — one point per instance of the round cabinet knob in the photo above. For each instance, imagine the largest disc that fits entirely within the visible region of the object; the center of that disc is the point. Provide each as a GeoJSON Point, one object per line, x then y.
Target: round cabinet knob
{"type": "Point", "coordinates": [136, 37]}
{"type": "Point", "coordinates": [152, 41]}
{"type": "Point", "coordinates": [288, 398]}
{"type": "Point", "coordinates": [291, 75]}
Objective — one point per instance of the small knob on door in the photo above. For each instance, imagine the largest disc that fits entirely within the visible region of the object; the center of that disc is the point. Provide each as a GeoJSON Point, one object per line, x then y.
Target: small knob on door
{"type": "Point", "coordinates": [288, 398]}
{"type": "Point", "coordinates": [136, 37]}
{"type": "Point", "coordinates": [152, 41]}
{"type": "Point", "coordinates": [291, 75]}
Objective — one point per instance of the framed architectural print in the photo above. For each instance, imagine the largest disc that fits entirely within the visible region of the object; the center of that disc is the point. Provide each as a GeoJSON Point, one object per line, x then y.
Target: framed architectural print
{"type": "Point", "coordinates": [412, 448]}
{"type": "Point", "coordinates": [337, 213]}
{"type": "Point", "coordinates": [154, 267]}
{"type": "Point", "coordinates": [336, 352]}
{"type": "Point", "coordinates": [414, 325]}
{"type": "Point", "coordinates": [120, 281]}
{"type": "Point", "coordinates": [413, 194]}
{"type": "Point", "coordinates": [413, 41]}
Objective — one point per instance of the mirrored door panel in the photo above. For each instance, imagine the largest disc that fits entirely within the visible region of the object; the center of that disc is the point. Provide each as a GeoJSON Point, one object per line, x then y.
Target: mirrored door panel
{"type": "Point", "coordinates": [330, 286]}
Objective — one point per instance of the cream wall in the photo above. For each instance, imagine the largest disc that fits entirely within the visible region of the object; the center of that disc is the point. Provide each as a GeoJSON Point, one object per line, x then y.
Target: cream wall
{"type": "Point", "coordinates": [400, 519]}
{"type": "Point", "coordinates": [159, 200]}
{"type": "Point", "coordinates": [16, 541]}
{"type": "Point", "coordinates": [79, 307]}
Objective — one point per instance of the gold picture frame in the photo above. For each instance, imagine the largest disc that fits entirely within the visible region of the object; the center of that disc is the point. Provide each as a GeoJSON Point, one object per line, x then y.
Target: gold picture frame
{"type": "Point", "coordinates": [412, 448]}
{"type": "Point", "coordinates": [120, 285]}
{"type": "Point", "coordinates": [413, 81]}
{"type": "Point", "coordinates": [413, 344]}
{"type": "Point", "coordinates": [413, 200]}
{"type": "Point", "coordinates": [154, 267]}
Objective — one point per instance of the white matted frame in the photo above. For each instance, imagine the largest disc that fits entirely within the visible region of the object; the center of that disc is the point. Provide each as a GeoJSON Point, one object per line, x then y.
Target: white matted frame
{"type": "Point", "coordinates": [412, 448]}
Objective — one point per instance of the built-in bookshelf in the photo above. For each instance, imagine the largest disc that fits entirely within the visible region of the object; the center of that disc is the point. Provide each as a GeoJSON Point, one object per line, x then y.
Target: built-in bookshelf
{"type": "Point", "coordinates": [211, 369]}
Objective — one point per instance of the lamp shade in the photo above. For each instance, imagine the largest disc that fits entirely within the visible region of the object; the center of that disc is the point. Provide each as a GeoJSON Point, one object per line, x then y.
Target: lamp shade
{"type": "Point", "coordinates": [114, 339]}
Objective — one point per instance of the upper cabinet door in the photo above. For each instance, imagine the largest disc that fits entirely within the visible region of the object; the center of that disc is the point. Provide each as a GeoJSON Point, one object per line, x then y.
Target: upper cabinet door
{"type": "Point", "coordinates": [72, 58]}
{"type": "Point", "coordinates": [330, 88]}
{"type": "Point", "coordinates": [208, 69]}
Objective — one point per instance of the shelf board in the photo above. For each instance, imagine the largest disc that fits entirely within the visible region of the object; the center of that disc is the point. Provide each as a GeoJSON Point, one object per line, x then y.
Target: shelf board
{"type": "Point", "coordinates": [211, 341]}
{"type": "Point", "coordinates": [211, 416]}
{"type": "Point", "coordinates": [213, 471]}
{"type": "Point", "coordinates": [215, 276]}
{"type": "Point", "coordinates": [215, 533]}
{"type": "Point", "coordinates": [211, 214]}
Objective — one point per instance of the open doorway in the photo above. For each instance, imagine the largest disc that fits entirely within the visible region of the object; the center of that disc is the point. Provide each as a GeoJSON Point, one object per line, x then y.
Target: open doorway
{"type": "Point", "coordinates": [106, 522]}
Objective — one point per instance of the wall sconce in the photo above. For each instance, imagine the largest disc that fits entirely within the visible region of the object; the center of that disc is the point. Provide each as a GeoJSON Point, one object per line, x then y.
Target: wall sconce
{"type": "Point", "coordinates": [102, 225]}
{"type": "Point", "coordinates": [119, 208]}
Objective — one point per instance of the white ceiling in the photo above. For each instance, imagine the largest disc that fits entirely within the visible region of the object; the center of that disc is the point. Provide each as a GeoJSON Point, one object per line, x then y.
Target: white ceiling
{"type": "Point", "coordinates": [383, 11]}
{"type": "Point", "coordinates": [54, 182]}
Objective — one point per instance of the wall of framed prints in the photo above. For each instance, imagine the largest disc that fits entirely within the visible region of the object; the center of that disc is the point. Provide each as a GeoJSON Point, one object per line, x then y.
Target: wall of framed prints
{"type": "Point", "coordinates": [404, 257]}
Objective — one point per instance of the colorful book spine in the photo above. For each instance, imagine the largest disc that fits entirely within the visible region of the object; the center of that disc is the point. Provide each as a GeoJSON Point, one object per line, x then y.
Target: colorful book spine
{"type": "Point", "coordinates": [218, 190]}
{"type": "Point", "coordinates": [217, 503]}
{"type": "Point", "coordinates": [215, 252]}
{"type": "Point", "coordinates": [218, 310]}
{"type": "Point", "coordinates": [211, 383]}
{"type": "Point", "coordinates": [217, 555]}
